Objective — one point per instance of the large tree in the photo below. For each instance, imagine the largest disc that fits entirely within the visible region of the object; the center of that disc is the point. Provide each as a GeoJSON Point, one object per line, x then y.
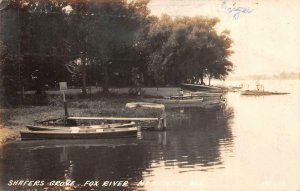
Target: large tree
{"type": "Point", "coordinates": [106, 41]}
{"type": "Point", "coordinates": [33, 32]}
{"type": "Point", "coordinates": [105, 33]}
{"type": "Point", "coordinates": [186, 49]}
{"type": "Point", "coordinates": [68, 38]}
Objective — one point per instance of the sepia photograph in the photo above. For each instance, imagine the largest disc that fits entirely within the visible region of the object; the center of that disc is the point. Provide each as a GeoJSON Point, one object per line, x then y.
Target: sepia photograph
{"type": "Point", "coordinates": [149, 95]}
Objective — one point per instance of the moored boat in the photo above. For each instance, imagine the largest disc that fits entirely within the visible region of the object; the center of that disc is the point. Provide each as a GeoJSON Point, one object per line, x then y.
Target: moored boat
{"type": "Point", "coordinates": [77, 133]}
{"type": "Point", "coordinates": [70, 127]}
{"type": "Point", "coordinates": [180, 99]}
{"type": "Point", "coordinates": [204, 94]}
{"type": "Point", "coordinates": [199, 87]}
{"type": "Point", "coordinates": [261, 93]}
{"type": "Point", "coordinates": [102, 126]}
{"type": "Point", "coordinates": [199, 99]}
{"type": "Point", "coordinates": [191, 103]}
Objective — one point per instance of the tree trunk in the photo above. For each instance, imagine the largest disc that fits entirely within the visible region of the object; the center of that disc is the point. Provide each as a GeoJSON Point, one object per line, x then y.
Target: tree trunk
{"type": "Point", "coordinates": [145, 76]}
{"type": "Point", "coordinates": [106, 78]}
{"type": "Point", "coordinates": [209, 80]}
{"type": "Point", "coordinates": [201, 78]}
{"type": "Point", "coordinates": [196, 80]}
{"type": "Point", "coordinates": [39, 86]}
{"type": "Point", "coordinates": [84, 77]}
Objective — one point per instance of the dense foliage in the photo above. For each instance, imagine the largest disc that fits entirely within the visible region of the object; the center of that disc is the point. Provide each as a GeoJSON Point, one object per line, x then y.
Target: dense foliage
{"type": "Point", "coordinates": [102, 42]}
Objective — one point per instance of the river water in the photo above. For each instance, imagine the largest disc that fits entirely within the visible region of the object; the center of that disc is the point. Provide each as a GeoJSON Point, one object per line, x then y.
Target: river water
{"type": "Point", "coordinates": [252, 144]}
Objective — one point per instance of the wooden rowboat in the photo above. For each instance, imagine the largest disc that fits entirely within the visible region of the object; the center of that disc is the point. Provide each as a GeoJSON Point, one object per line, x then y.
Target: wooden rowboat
{"type": "Point", "coordinates": [80, 128]}
{"type": "Point", "coordinates": [102, 126]}
{"type": "Point", "coordinates": [173, 100]}
{"type": "Point", "coordinates": [199, 87]}
{"type": "Point", "coordinates": [205, 94]}
{"type": "Point", "coordinates": [174, 103]}
{"type": "Point", "coordinates": [182, 101]}
{"type": "Point", "coordinates": [77, 133]}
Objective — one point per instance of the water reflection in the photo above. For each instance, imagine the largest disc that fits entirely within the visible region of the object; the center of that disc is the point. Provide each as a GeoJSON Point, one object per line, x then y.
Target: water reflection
{"type": "Point", "coordinates": [253, 147]}
{"type": "Point", "coordinates": [80, 161]}
{"type": "Point", "coordinates": [195, 141]}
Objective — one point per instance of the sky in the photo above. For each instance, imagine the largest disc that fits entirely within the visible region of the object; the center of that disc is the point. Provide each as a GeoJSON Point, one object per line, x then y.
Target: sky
{"type": "Point", "coordinates": [266, 36]}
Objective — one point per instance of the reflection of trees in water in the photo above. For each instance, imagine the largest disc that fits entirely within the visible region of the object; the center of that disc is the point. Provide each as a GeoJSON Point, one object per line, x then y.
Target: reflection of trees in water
{"type": "Point", "coordinates": [80, 163]}
{"type": "Point", "coordinates": [195, 138]}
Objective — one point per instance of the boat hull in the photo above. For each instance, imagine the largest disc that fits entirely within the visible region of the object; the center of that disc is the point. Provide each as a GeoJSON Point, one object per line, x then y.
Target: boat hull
{"type": "Point", "coordinates": [191, 103]}
{"type": "Point", "coordinates": [198, 87]}
{"type": "Point", "coordinates": [105, 126]}
{"type": "Point", "coordinates": [84, 134]}
{"type": "Point", "coordinates": [262, 93]}
{"type": "Point", "coordinates": [179, 102]}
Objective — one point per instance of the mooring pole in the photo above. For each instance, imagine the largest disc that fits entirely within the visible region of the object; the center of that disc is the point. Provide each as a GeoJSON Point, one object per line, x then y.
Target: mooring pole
{"type": "Point", "coordinates": [164, 115]}
{"type": "Point", "coordinates": [162, 120]}
{"type": "Point", "coordinates": [65, 104]}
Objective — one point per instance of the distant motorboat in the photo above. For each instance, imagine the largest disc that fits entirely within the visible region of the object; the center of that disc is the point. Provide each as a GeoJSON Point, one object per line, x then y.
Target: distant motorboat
{"type": "Point", "coordinates": [260, 91]}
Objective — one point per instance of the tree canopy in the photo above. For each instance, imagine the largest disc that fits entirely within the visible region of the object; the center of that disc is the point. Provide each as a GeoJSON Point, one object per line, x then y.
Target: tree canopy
{"type": "Point", "coordinates": [187, 49]}
{"type": "Point", "coordinates": [89, 42]}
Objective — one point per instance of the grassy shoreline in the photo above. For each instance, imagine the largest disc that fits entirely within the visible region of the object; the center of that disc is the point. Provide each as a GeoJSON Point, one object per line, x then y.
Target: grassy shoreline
{"type": "Point", "coordinates": [14, 119]}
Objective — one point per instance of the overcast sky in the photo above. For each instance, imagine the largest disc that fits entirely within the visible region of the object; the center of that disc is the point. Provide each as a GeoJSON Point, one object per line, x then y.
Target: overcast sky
{"type": "Point", "coordinates": [266, 38]}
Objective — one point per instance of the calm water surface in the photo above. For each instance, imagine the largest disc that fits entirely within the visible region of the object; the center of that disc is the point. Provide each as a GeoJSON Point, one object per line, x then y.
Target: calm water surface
{"type": "Point", "coordinates": [252, 144]}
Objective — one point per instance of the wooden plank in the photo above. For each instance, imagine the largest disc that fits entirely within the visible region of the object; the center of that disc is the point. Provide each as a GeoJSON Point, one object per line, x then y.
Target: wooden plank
{"type": "Point", "coordinates": [114, 118]}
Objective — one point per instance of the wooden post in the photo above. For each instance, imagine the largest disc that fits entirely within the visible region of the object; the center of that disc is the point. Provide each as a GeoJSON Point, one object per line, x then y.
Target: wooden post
{"type": "Point", "coordinates": [164, 116]}
{"type": "Point", "coordinates": [63, 87]}
{"type": "Point", "coordinates": [162, 121]}
{"type": "Point", "coordinates": [161, 116]}
{"type": "Point", "coordinates": [159, 125]}
{"type": "Point", "coordinates": [65, 104]}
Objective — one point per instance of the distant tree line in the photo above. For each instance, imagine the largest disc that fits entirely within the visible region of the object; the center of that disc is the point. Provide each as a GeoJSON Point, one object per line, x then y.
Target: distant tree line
{"type": "Point", "coordinates": [105, 43]}
{"type": "Point", "coordinates": [281, 76]}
